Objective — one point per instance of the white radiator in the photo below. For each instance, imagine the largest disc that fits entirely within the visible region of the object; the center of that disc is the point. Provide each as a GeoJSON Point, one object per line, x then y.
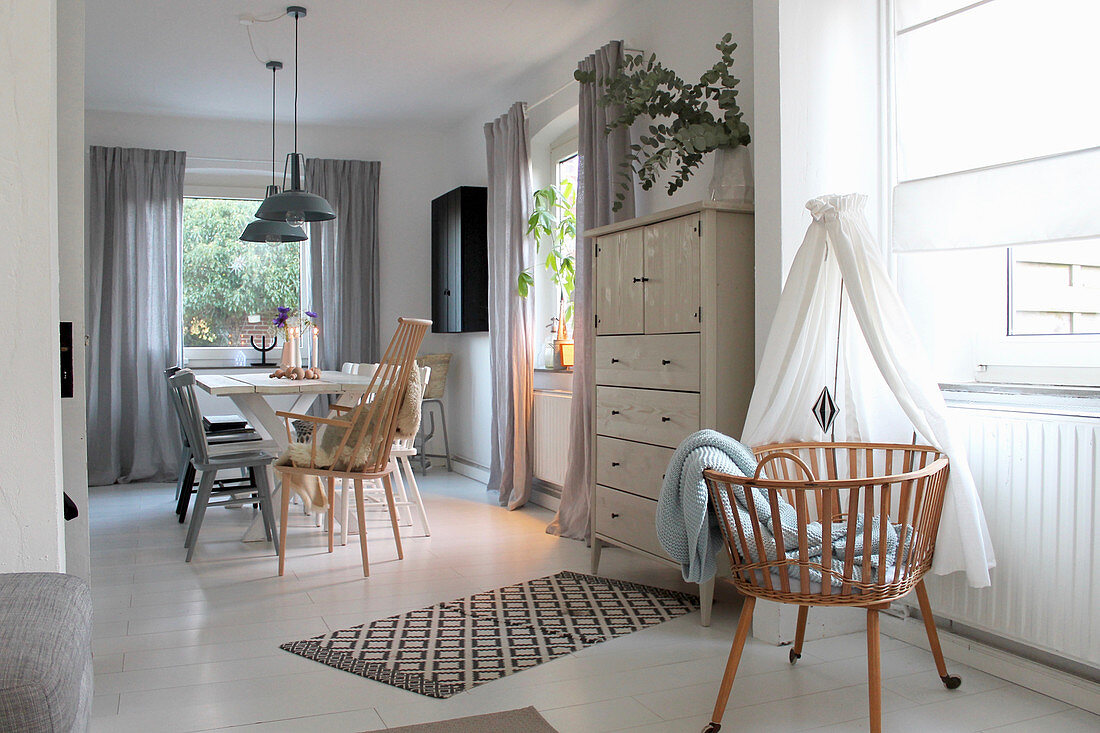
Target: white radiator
{"type": "Point", "coordinates": [1038, 476]}
{"type": "Point", "coordinates": [551, 413]}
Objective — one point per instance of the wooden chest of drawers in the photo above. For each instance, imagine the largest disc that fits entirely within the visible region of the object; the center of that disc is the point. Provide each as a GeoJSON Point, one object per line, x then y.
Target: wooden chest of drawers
{"type": "Point", "coordinates": [673, 302]}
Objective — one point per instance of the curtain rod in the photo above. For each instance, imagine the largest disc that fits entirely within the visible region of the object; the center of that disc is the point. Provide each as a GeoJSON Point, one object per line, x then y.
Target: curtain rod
{"type": "Point", "coordinates": [227, 160]}
{"type": "Point", "coordinates": [568, 84]}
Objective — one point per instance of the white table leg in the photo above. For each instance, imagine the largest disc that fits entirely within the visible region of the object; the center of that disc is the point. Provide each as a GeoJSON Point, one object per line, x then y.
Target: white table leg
{"type": "Point", "coordinates": [259, 412]}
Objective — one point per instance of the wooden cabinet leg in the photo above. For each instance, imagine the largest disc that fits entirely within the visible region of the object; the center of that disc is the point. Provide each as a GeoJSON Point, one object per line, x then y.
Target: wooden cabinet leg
{"type": "Point", "coordinates": [706, 600]}
{"type": "Point", "coordinates": [597, 548]}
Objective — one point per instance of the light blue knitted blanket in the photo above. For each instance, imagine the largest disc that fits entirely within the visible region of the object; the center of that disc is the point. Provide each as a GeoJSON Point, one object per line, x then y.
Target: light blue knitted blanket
{"type": "Point", "coordinates": [690, 532]}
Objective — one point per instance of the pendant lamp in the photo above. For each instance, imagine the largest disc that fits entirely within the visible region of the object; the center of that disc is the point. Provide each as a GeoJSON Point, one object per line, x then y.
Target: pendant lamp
{"type": "Point", "coordinates": [295, 205]}
{"type": "Point", "coordinates": [272, 232]}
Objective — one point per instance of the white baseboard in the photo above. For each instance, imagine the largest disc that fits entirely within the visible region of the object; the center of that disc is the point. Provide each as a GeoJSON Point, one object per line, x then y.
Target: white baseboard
{"type": "Point", "coordinates": [1043, 679]}
{"type": "Point", "coordinates": [469, 469]}
{"type": "Point", "coordinates": [545, 500]}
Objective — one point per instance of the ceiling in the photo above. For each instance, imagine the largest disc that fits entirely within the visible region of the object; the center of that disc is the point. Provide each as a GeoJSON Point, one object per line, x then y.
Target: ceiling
{"type": "Point", "coordinates": [362, 61]}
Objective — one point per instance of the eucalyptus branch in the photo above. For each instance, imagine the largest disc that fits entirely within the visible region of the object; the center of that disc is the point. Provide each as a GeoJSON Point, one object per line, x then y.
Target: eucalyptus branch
{"type": "Point", "coordinates": [646, 88]}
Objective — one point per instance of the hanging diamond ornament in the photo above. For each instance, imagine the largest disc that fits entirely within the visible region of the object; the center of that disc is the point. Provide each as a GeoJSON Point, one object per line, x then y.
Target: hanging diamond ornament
{"type": "Point", "coordinates": [825, 410]}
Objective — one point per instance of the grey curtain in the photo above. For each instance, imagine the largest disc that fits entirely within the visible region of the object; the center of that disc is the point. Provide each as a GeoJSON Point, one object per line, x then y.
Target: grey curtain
{"type": "Point", "coordinates": [344, 260]}
{"type": "Point", "coordinates": [511, 339]}
{"type": "Point", "coordinates": [600, 154]}
{"type": "Point", "coordinates": [132, 275]}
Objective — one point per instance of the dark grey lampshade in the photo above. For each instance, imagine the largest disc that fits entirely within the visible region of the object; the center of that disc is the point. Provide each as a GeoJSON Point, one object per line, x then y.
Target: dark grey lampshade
{"type": "Point", "coordinates": [309, 206]}
{"type": "Point", "coordinates": [272, 232]}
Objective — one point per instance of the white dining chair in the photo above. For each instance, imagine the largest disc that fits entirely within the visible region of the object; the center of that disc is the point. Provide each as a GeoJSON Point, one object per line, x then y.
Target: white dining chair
{"type": "Point", "coordinates": [407, 499]}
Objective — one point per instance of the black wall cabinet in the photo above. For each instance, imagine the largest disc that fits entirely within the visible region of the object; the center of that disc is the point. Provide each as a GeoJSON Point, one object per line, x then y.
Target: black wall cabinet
{"type": "Point", "coordinates": [460, 264]}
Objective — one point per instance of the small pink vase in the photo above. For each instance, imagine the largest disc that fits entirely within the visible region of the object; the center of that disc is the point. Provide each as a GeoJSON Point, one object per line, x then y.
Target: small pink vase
{"type": "Point", "coordinates": [292, 355]}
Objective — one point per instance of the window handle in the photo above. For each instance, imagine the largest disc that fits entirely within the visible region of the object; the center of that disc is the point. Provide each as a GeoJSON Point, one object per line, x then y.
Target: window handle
{"type": "Point", "coordinates": [614, 412]}
{"type": "Point", "coordinates": [614, 463]}
{"type": "Point", "coordinates": [614, 360]}
{"type": "Point", "coordinates": [665, 419]}
{"type": "Point", "coordinates": [641, 279]}
{"type": "Point", "coordinates": [614, 515]}
{"type": "Point", "coordinates": [666, 362]}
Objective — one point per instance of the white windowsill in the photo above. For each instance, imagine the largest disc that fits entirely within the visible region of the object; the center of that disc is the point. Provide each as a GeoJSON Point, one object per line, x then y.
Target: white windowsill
{"type": "Point", "coordinates": [1024, 398]}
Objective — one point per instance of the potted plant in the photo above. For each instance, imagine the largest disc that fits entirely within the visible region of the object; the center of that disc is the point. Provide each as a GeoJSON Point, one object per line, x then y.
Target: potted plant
{"type": "Point", "coordinates": [688, 121]}
{"type": "Point", "coordinates": [553, 222]}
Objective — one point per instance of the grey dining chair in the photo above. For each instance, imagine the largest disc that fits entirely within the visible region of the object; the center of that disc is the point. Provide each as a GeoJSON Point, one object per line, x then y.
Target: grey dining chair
{"type": "Point", "coordinates": [223, 442]}
{"type": "Point", "coordinates": [256, 462]}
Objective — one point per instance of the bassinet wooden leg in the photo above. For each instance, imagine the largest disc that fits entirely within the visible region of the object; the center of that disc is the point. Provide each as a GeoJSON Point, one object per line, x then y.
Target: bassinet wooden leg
{"type": "Point", "coordinates": [597, 549]}
{"type": "Point", "coordinates": [874, 671]}
{"type": "Point", "coordinates": [799, 634]}
{"type": "Point", "coordinates": [743, 626]}
{"type": "Point", "coordinates": [950, 681]}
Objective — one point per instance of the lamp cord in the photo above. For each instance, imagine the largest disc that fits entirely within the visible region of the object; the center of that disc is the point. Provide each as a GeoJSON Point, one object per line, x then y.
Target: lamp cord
{"type": "Point", "coordinates": [273, 70]}
{"type": "Point", "coordinates": [295, 84]}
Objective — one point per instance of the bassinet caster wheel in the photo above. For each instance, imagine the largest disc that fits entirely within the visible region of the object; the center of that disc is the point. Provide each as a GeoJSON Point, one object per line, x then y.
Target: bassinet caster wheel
{"type": "Point", "coordinates": [712, 728]}
{"type": "Point", "coordinates": [794, 656]}
{"type": "Point", "coordinates": [951, 681]}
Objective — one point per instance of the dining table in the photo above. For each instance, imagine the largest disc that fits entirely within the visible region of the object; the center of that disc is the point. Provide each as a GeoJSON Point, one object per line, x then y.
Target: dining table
{"type": "Point", "coordinates": [253, 393]}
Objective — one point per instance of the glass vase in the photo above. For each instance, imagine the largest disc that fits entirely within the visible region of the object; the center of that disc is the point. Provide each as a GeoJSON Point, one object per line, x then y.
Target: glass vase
{"type": "Point", "coordinates": [732, 179]}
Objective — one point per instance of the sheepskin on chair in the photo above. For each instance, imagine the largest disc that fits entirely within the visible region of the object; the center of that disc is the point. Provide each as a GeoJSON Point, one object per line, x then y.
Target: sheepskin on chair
{"type": "Point", "coordinates": [329, 438]}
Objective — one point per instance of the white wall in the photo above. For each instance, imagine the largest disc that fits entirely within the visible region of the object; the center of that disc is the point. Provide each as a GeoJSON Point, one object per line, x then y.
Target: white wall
{"type": "Point", "coordinates": [70, 230]}
{"type": "Point", "coordinates": [820, 131]}
{"type": "Point", "coordinates": [31, 530]}
{"type": "Point", "coordinates": [683, 37]}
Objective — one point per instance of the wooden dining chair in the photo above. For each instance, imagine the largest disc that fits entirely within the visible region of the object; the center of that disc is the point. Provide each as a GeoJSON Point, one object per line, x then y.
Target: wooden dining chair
{"type": "Point", "coordinates": [366, 433]}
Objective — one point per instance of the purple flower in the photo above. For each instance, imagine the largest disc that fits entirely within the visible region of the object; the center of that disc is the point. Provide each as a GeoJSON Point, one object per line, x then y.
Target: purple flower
{"type": "Point", "coordinates": [311, 314]}
{"type": "Point", "coordinates": [284, 310]}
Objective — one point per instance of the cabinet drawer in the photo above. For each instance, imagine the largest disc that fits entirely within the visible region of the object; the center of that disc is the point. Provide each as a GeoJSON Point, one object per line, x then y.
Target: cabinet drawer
{"type": "Point", "coordinates": [633, 467]}
{"type": "Point", "coordinates": [627, 518]}
{"type": "Point", "coordinates": [659, 361]}
{"type": "Point", "coordinates": [646, 415]}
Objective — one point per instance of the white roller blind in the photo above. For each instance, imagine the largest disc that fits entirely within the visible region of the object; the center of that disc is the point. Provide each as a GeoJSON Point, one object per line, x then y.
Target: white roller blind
{"type": "Point", "coordinates": [997, 123]}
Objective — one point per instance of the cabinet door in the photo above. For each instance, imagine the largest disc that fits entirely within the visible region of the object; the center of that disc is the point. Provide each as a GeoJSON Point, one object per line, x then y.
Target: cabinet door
{"type": "Point", "coordinates": [619, 298]}
{"type": "Point", "coordinates": [672, 297]}
{"type": "Point", "coordinates": [441, 267]}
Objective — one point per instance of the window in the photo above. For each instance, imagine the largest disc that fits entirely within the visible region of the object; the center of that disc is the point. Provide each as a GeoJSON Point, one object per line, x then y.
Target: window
{"type": "Point", "coordinates": [1055, 289]}
{"type": "Point", "coordinates": [994, 217]}
{"type": "Point", "coordinates": [231, 289]}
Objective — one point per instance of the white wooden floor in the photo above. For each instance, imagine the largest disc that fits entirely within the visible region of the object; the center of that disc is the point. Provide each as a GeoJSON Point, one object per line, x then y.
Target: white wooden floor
{"type": "Point", "coordinates": [183, 647]}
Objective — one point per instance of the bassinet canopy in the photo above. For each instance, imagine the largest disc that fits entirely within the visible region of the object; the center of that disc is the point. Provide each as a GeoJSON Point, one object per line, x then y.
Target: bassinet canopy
{"type": "Point", "coordinates": [867, 353]}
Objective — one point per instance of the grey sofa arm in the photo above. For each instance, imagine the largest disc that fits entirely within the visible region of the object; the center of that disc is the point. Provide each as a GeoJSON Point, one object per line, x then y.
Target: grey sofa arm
{"type": "Point", "coordinates": [45, 653]}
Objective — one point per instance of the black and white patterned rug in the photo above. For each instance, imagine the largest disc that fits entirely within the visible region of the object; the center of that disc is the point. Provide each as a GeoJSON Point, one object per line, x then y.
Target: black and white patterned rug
{"type": "Point", "coordinates": [450, 647]}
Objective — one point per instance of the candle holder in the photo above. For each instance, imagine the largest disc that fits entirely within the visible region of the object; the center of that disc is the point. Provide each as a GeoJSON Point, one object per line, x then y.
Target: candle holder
{"type": "Point", "coordinates": [263, 348]}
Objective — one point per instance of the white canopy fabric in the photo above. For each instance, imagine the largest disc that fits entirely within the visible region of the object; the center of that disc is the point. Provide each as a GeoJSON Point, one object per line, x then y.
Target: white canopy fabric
{"type": "Point", "coordinates": [884, 386]}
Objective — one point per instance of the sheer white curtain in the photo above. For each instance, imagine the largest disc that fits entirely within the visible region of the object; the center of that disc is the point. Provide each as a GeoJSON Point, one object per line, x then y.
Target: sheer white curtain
{"type": "Point", "coordinates": [511, 318]}
{"type": "Point", "coordinates": [840, 322]}
{"type": "Point", "coordinates": [132, 276]}
{"type": "Point", "coordinates": [600, 154]}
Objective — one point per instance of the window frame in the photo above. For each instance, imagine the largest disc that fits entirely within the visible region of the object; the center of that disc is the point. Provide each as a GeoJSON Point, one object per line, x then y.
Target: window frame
{"type": "Point", "coordinates": [205, 357]}
{"type": "Point", "coordinates": [1001, 357]}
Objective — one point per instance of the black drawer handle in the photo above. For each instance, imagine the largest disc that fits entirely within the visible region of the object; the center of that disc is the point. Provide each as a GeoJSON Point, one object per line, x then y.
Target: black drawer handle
{"type": "Point", "coordinates": [665, 419]}
{"type": "Point", "coordinates": [614, 515]}
{"type": "Point", "coordinates": [614, 360]}
{"type": "Point", "coordinates": [614, 412]}
{"type": "Point", "coordinates": [614, 463]}
{"type": "Point", "coordinates": [666, 362]}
